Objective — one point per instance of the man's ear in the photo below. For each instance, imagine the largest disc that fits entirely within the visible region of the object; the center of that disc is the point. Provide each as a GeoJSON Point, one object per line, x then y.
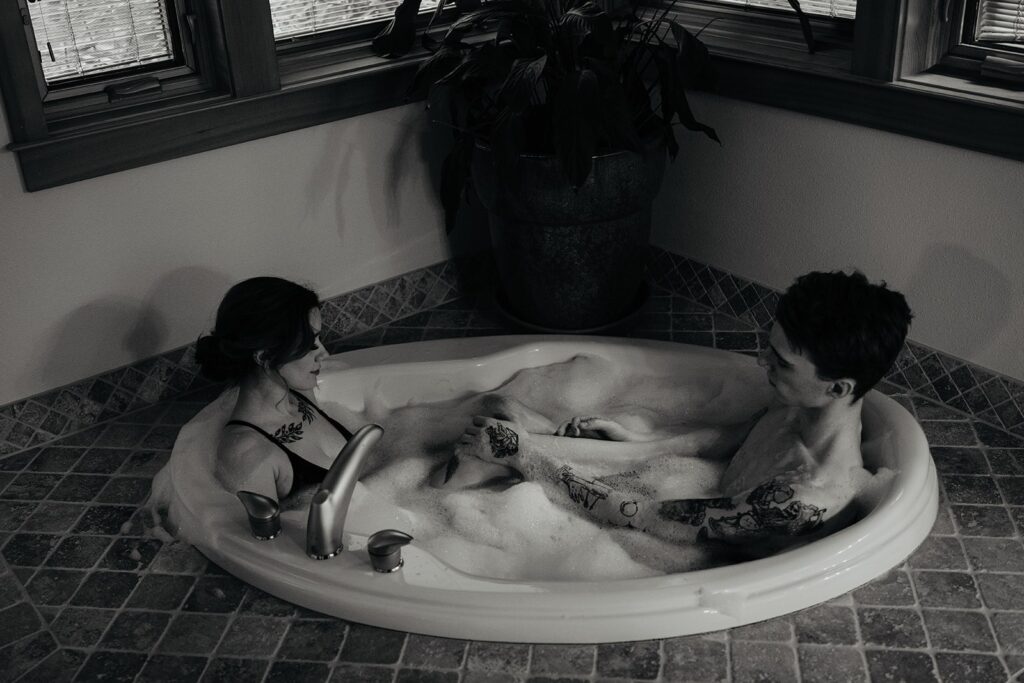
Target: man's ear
{"type": "Point", "coordinates": [841, 388]}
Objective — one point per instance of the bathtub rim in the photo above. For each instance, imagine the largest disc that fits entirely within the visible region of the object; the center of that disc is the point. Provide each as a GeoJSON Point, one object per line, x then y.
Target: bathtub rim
{"type": "Point", "coordinates": [641, 609]}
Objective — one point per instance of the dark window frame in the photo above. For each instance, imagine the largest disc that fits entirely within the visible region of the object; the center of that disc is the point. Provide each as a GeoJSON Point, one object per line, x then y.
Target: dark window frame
{"type": "Point", "coordinates": [880, 74]}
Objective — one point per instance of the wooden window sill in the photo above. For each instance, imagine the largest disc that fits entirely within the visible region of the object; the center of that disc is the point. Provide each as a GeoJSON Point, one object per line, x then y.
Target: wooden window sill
{"type": "Point", "coordinates": [768, 65]}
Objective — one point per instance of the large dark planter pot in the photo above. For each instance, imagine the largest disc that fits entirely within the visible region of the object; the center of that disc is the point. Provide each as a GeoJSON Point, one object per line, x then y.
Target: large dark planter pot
{"type": "Point", "coordinates": [570, 260]}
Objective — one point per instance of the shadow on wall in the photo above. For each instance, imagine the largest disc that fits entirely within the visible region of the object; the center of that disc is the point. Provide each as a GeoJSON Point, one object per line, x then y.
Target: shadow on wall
{"type": "Point", "coordinates": [117, 330]}
{"type": "Point", "coordinates": [951, 280]}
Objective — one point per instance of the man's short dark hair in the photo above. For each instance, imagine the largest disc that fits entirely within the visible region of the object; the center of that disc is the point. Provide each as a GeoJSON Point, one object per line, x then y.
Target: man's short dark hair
{"type": "Point", "coordinates": [848, 327]}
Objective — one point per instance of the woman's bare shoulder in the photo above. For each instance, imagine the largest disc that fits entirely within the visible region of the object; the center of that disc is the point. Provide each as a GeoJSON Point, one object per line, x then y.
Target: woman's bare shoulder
{"type": "Point", "coordinates": [241, 452]}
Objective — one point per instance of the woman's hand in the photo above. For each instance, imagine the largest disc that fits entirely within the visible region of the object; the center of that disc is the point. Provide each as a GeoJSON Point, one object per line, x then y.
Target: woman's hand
{"type": "Point", "coordinates": [593, 427]}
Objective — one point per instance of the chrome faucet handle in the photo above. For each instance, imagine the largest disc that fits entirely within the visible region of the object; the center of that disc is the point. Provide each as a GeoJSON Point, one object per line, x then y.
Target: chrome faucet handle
{"type": "Point", "coordinates": [264, 514]}
{"type": "Point", "coordinates": [385, 549]}
{"type": "Point", "coordinates": [329, 507]}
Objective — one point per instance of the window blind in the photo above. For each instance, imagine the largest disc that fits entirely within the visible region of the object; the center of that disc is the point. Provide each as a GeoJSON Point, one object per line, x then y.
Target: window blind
{"type": "Point", "coordinates": [296, 18]}
{"type": "Point", "coordinates": [841, 9]}
{"type": "Point", "coordinates": [79, 38]}
{"type": "Point", "coordinates": [1000, 21]}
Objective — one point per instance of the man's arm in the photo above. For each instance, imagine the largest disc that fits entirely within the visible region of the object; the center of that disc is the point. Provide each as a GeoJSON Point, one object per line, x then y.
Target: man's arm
{"type": "Point", "coordinates": [769, 513]}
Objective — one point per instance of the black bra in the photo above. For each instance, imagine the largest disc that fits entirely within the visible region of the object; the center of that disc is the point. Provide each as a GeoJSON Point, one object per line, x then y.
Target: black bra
{"type": "Point", "coordinates": [304, 472]}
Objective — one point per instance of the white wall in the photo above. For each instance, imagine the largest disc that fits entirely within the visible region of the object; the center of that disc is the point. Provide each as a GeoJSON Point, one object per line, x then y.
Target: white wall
{"type": "Point", "coordinates": [103, 272]}
{"type": "Point", "coordinates": [106, 271]}
{"type": "Point", "coordinates": [788, 193]}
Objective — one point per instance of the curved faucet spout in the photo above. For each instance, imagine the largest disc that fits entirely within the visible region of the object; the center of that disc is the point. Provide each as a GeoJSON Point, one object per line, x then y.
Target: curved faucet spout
{"type": "Point", "coordinates": [329, 507]}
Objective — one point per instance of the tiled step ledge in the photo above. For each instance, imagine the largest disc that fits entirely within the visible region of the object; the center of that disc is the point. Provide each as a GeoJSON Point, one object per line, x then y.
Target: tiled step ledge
{"type": "Point", "coordinates": [974, 391]}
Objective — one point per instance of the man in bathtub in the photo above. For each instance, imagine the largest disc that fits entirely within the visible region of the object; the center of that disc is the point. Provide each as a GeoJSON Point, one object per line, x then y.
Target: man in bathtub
{"type": "Point", "coordinates": [786, 473]}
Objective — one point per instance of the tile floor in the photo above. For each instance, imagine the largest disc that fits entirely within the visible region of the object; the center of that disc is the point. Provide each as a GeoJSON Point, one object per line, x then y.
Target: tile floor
{"type": "Point", "coordinates": [86, 595]}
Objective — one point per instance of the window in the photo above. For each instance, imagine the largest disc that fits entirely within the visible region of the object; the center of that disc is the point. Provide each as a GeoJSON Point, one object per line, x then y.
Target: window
{"type": "Point", "coordinates": [149, 80]}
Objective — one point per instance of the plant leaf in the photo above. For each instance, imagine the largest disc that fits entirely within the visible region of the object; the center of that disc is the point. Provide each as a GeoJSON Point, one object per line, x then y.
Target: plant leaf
{"type": "Point", "coordinates": [694, 62]}
{"type": "Point", "coordinates": [576, 102]}
{"type": "Point", "coordinates": [398, 37]}
{"type": "Point", "coordinates": [517, 92]}
{"type": "Point", "coordinates": [454, 172]}
{"type": "Point", "coordinates": [432, 70]}
{"type": "Point", "coordinates": [805, 25]}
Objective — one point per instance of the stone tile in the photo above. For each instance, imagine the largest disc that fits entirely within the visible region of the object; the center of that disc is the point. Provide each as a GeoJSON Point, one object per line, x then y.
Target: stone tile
{"type": "Point", "coordinates": [215, 594]}
{"type": "Point", "coordinates": [830, 664]}
{"type": "Point", "coordinates": [939, 552]}
{"type": "Point", "coordinates": [135, 631]}
{"type": "Point", "coordinates": [55, 460]}
{"type": "Point", "coordinates": [640, 660]}
{"type": "Point", "coordinates": [54, 586]}
{"type": "Point", "coordinates": [949, 460]}
{"type": "Point", "coordinates": [29, 550]}
{"type": "Point", "coordinates": [695, 659]}
{"type": "Point", "coordinates": [78, 552]}
{"type": "Point", "coordinates": [19, 620]}
{"type": "Point", "coordinates": [736, 341]}
{"type": "Point", "coordinates": [1006, 460]}
{"type": "Point", "coordinates": [13, 514]}
{"type": "Point", "coordinates": [178, 558]}
{"type": "Point", "coordinates": [81, 626]}
{"type": "Point", "coordinates": [1012, 489]}
{"type": "Point", "coordinates": [112, 666]}
{"type": "Point", "coordinates": [990, 436]}
{"type": "Point", "coordinates": [160, 438]}
{"type": "Point", "coordinates": [436, 653]}
{"type": "Point", "coordinates": [779, 629]}
{"type": "Point", "coordinates": [128, 490]}
{"type": "Point", "coordinates": [60, 667]}
{"type": "Point", "coordinates": [504, 657]}
{"type": "Point", "coordinates": [896, 665]}
{"type": "Point", "coordinates": [120, 435]}
{"type": "Point", "coordinates": [101, 461]}
{"type": "Point", "coordinates": [363, 673]}
{"type": "Point", "coordinates": [372, 645]}
{"type": "Point", "coordinates": [763, 661]}
{"type": "Point", "coordinates": [969, 668]}
{"type": "Point", "coordinates": [132, 554]}
{"type": "Point", "coordinates": [78, 488]}
{"type": "Point", "coordinates": [971, 489]}
{"type": "Point", "coordinates": [161, 591]}
{"type": "Point", "coordinates": [424, 676]}
{"type": "Point", "coordinates": [172, 669]}
{"type": "Point", "coordinates": [492, 677]}
{"type": "Point", "coordinates": [144, 463]}
{"type": "Point", "coordinates": [31, 486]}
{"type": "Point", "coordinates": [254, 637]}
{"type": "Point", "coordinates": [23, 655]}
{"type": "Point", "coordinates": [891, 627]}
{"type": "Point", "coordinates": [995, 554]}
{"type": "Point", "coordinates": [10, 589]}
{"type": "Point", "coordinates": [949, 433]}
{"type": "Point", "coordinates": [264, 604]}
{"type": "Point", "coordinates": [1009, 628]}
{"type": "Point", "coordinates": [891, 589]}
{"type": "Point", "coordinates": [297, 672]}
{"type": "Point", "coordinates": [946, 589]}
{"type": "Point", "coordinates": [53, 517]}
{"type": "Point", "coordinates": [983, 520]}
{"type": "Point", "coordinates": [105, 589]}
{"type": "Point", "coordinates": [230, 669]}
{"type": "Point", "coordinates": [193, 633]}
{"type": "Point", "coordinates": [958, 630]}
{"type": "Point", "coordinates": [1002, 591]}
{"type": "Point", "coordinates": [826, 625]}
{"type": "Point", "coordinates": [313, 639]}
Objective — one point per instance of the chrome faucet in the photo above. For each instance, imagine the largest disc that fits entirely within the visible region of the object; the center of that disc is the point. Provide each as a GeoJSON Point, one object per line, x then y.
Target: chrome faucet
{"type": "Point", "coordinates": [329, 507]}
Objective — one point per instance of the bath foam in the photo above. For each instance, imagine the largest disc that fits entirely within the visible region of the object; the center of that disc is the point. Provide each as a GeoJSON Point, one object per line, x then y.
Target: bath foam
{"type": "Point", "coordinates": [430, 596]}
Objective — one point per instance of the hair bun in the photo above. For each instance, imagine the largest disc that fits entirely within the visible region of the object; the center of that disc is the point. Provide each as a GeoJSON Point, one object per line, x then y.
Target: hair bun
{"type": "Point", "coordinates": [218, 361]}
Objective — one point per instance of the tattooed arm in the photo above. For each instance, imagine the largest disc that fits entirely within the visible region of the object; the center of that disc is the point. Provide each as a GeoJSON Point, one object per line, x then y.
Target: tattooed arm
{"type": "Point", "coordinates": [768, 514]}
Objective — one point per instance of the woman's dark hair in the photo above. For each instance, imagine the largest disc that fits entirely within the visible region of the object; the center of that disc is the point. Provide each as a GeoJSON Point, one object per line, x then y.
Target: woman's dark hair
{"type": "Point", "coordinates": [266, 314]}
{"type": "Point", "coordinates": [848, 327]}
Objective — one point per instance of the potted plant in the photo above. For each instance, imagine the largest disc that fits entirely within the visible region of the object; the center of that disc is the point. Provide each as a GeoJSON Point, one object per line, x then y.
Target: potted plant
{"type": "Point", "coordinates": [562, 114]}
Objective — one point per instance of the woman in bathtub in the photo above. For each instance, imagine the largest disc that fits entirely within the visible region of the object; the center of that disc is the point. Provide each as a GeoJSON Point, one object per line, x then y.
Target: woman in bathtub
{"type": "Point", "coordinates": [266, 341]}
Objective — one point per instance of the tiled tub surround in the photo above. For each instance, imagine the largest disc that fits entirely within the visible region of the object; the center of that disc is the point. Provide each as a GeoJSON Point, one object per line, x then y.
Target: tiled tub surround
{"type": "Point", "coordinates": [84, 591]}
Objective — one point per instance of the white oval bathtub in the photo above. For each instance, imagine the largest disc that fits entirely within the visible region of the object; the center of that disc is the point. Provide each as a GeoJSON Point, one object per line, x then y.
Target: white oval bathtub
{"type": "Point", "coordinates": [429, 596]}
